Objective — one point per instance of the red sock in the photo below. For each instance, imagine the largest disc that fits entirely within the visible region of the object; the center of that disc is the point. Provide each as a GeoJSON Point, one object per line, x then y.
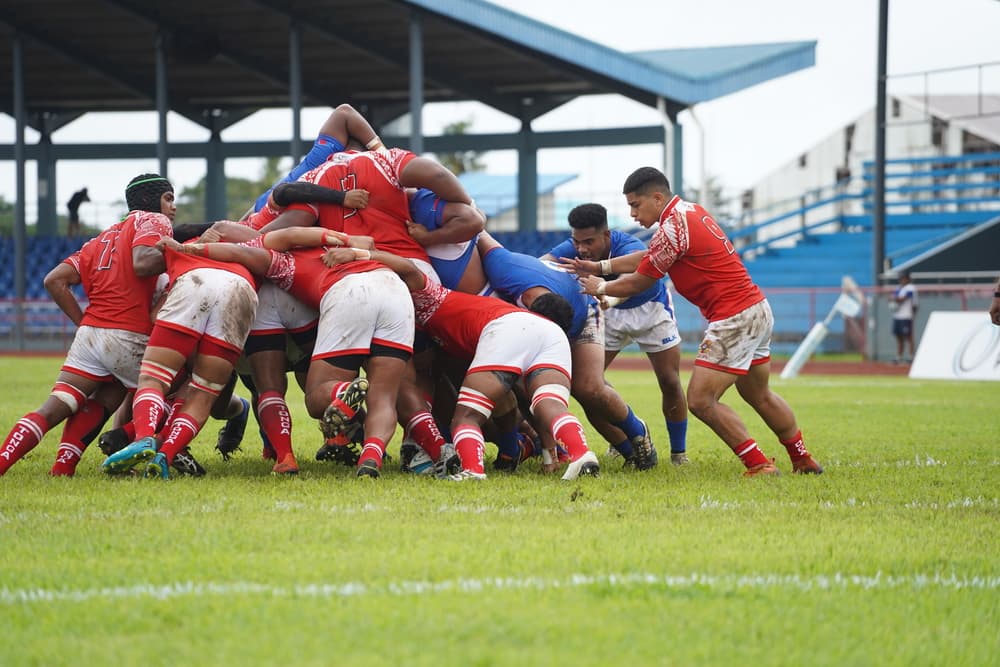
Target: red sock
{"type": "Point", "coordinates": [148, 412]}
{"type": "Point", "coordinates": [423, 430]}
{"type": "Point", "coordinates": [182, 430]}
{"type": "Point", "coordinates": [750, 454]}
{"type": "Point", "coordinates": [67, 457]}
{"type": "Point", "coordinates": [568, 432]}
{"type": "Point", "coordinates": [25, 435]}
{"type": "Point", "coordinates": [81, 428]}
{"type": "Point", "coordinates": [373, 450]}
{"type": "Point", "coordinates": [470, 445]}
{"type": "Point", "coordinates": [795, 447]}
{"type": "Point", "coordinates": [129, 429]}
{"type": "Point", "coordinates": [276, 422]}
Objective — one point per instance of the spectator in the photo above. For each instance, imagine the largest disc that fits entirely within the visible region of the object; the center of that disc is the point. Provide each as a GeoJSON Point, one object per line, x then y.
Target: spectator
{"type": "Point", "coordinates": [73, 205]}
{"type": "Point", "coordinates": [904, 303]}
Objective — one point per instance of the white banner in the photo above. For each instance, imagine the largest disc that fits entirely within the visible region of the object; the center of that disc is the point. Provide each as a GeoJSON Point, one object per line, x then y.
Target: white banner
{"type": "Point", "coordinates": [958, 346]}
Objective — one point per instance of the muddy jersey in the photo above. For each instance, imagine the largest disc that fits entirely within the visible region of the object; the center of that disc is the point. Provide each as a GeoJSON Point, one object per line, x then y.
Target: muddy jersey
{"type": "Point", "coordinates": [179, 263]}
{"type": "Point", "coordinates": [456, 320]}
{"type": "Point", "coordinates": [690, 246]}
{"type": "Point", "coordinates": [384, 219]}
{"type": "Point", "coordinates": [119, 299]}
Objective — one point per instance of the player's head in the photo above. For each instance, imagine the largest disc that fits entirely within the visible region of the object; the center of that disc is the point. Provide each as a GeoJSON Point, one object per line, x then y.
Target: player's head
{"type": "Point", "coordinates": [904, 277]}
{"type": "Point", "coordinates": [151, 192]}
{"type": "Point", "coordinates": [647, 192]}
{"type": "Point", "coordinates": [554, 307]}
{"type": "Point", "coordinates": [591, 236]}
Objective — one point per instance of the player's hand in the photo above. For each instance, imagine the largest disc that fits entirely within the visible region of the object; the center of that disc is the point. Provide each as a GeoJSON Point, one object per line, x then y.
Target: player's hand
{"type": "Point", "coordinates": [417, 232]}
{"type": "Point", "coordinates": [356, 198]}
{"type": "Point", "coordinates": [581, 267]}
{"type": "Point", "coordinates": [333, 238]}
{"type": "Point", "coordinates": [588, 284]}
{"type": "Point", "coordinates": [995, 311]}
{"type": "Point", "coordinates": [337, 256]}
{"type": "Point", "coordinates": [212, 235]}
{"type": "Point", "coordinates": [168, 242]}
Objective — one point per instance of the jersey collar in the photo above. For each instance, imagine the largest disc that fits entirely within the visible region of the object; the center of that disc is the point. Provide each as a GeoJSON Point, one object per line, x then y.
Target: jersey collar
{"type": "Point", "coordinates": [669, 208]}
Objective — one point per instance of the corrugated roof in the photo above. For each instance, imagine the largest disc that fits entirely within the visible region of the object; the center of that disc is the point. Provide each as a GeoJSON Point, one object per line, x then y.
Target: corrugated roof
{"type": "Point", "coordinates": [226, 58]}
{"type": "Point", "coordinates": [720, 70]}
{"type": "Point", "coordinates": [679, 75]}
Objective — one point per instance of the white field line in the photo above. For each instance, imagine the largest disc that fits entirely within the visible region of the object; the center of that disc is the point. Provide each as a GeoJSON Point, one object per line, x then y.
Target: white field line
{"type": "Point", "coordinates": [827, 582]}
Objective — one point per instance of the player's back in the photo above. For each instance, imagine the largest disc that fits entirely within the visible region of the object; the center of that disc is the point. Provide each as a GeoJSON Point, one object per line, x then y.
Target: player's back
{"type": "Point", "coordinates": [512, 273]}
{"type": "Point", "coordinates": [385, 216]}
{"type": "Point", "coordinates": [119, 299]}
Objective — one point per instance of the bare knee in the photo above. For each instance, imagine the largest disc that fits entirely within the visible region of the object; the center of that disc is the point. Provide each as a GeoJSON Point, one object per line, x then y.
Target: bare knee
{"type": "Point", "coordinates": [701, 404]}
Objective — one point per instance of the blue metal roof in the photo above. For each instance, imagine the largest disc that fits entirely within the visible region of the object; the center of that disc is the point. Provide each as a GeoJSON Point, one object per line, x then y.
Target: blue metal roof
{"type": "Point", "coordinates": [684, 76]}
{"type": "Point", "coordinates": [720, 70]}
{"type": "Point", "coordinates": [497, 193]}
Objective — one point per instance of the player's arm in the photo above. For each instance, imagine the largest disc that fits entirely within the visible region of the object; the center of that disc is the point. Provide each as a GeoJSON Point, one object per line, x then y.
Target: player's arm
{"type": "Point", "coordinates": [305, 237]}
{"type": "Point", "coordinates": [57, 283]}
{"type": "Point", "coordinates": [404, 268]}
{"type": "Point", "coordinates": [147, 261]}
{"type": "Point", "coordinates": [611, 266]}
{"type": "Point", "coordinates": [422, 172]}
{"type": "Point", "coordinates": [292, 218]}
{"type": "Point", "coordinates": [626, 285]}
{"type": "Point", "coordinates": [257, 260]}
{"type": "Point", "coordinates": [460, 222]}
{"type": "Point", "coordinates": [301, 192]}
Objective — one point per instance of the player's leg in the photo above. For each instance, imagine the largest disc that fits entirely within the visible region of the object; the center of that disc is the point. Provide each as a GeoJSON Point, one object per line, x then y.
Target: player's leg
{"type": "Point", "coordinates": [666, 366]}
{"type": "Point", "coordinates": [606, 410]}
{"type": "Point", "coordinates": [383, 369]}
{"type": "Point", "coordinates": [549, 390]}
{"type": "Point", "coordinates": [754, 388]}
{"type": "Point", "coordinates": [209, 378]}
{"type": "Point", "coordinates": [477, 398]}
{"type": "Point", "coordinates": [83, 426]}
{"type": "Point", "coordinates": [68, 395]}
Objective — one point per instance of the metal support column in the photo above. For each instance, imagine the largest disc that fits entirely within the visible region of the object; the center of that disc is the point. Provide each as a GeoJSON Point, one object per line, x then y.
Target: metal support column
{"type": "Point", "coordinates": [20, 240]}
{"type": "Point", "coordinates": [216, 203]}
{"type": "Point", "coordinates": [295, 88]}
{"type": "Point", "coordinates": [527, 180]}
{"type": "Point", "coordinates": [678, 157]}
{"type": "Point", "coordinates": [162, 105]}
{"type": "Point", "coordinates": [668, 142]}
{"type": "Point", "coordinates": [416, 83]}
{"type": "Point", "coordinates": [878, 177]}
{"type": "Point", "coordinates": [48, 218]}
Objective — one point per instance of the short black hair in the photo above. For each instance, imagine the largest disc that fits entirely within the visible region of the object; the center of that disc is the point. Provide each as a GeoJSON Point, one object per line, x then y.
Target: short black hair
{"type": "Point", "coordinates": [143, 192]}
{"type": "Point", "coordinates": [554, 307]}
{"type": "Point", "coordinates": [645, 180]}
{"type": "Point", "coordinates": [588, 216]}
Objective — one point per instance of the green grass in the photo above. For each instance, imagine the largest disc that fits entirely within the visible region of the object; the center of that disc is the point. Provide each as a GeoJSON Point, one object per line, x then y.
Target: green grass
{"type": "Point", "coordinates": [887, 559]}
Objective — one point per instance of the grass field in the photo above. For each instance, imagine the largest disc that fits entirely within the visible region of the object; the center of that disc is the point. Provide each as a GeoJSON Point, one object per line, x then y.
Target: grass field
{"type": "Point", "coordinates": [890, 558]}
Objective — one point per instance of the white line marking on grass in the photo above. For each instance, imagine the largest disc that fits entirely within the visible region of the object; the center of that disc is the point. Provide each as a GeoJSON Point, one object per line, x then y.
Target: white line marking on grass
{"type": "Point", "coordinates": [821, 582]}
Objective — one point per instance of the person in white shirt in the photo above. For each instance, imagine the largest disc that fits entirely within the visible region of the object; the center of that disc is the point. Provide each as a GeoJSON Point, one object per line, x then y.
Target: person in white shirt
{"type": "Point", "coordinates": [905, 301]}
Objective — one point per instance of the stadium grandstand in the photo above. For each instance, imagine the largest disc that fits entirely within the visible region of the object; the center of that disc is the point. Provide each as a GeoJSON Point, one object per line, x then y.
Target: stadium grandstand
{"type": "Point", "coordinates": [800, 230]}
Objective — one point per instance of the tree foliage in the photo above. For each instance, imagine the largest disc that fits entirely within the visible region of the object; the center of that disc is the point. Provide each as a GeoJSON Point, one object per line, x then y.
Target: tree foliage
{"type": "Point", "coordinates": [461, 161]}
{"type": "Point", "coordinates": [240, 194]}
